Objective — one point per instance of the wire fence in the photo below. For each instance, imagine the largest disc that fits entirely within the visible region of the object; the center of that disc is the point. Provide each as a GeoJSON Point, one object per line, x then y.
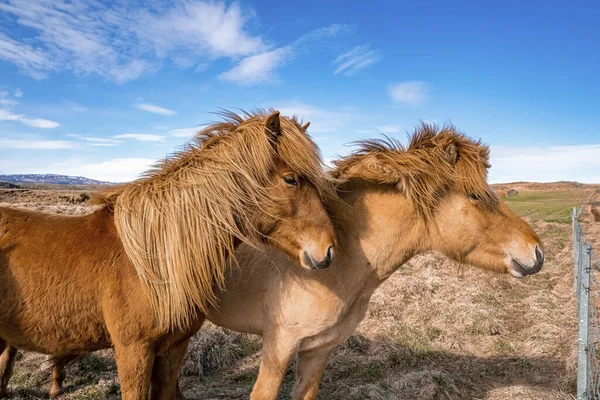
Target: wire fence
{"type": "Point", "coordinates": [587, 290]}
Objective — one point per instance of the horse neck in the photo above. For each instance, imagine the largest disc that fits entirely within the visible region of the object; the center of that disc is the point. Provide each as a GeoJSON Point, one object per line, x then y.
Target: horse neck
{"type": "Point", "coordinates": [379, 231]}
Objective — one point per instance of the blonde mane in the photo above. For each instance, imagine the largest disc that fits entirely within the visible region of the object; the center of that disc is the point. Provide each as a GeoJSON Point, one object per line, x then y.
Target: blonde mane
{"type": "Point", "coordinates": [435, 161]}
{"type": "Point", "coordinates": [178, 222]}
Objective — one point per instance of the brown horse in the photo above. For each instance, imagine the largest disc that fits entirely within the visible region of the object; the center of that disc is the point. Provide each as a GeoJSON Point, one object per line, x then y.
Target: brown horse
{"type": "Point", "coordinates": [397, 202]}
{"type": "Point", "coordinates": [139, 273]}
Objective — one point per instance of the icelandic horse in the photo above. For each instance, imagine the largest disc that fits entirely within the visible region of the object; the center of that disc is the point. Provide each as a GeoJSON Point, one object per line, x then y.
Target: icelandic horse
{"type": "Point", "coordinates": [397, 202]}
{"type": "Point", "coordinates": [140, 272]}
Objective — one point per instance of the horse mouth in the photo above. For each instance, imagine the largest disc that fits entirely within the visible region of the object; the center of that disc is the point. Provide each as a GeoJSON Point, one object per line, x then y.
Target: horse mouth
{"type": "Point", "coordinates": [518, 270]}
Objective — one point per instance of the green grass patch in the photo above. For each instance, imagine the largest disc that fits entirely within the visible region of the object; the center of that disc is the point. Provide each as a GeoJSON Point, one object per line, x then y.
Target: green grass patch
{"type": "Point", "coordinates": [547, 205]}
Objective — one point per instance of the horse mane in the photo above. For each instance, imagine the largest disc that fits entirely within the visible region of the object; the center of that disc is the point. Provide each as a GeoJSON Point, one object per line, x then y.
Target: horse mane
{"type": "Point", "coordinates": [435, 161]}
{"type": "Point", "coordinates": [178, 221]}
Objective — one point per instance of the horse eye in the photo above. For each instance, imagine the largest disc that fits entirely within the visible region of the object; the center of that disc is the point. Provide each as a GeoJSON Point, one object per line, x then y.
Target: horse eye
{"type": "Point", "coordinates": [290, 180]}
{"type": "Point", "coordinates": [474, 197]}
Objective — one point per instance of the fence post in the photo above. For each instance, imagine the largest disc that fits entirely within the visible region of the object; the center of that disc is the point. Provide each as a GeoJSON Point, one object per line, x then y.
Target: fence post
{"type": "Point", "coordinates": [584, 303]}
{"type": "Point", "coordinates": [576, 235]}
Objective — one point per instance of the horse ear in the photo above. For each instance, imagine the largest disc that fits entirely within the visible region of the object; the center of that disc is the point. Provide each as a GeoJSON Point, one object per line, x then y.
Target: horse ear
{"type": "Point", "coordinates": [451, 153]}
{"type": "Point", "coordinates": [273, 126]}
{"type": "Point", "coordinates": [305, 126]}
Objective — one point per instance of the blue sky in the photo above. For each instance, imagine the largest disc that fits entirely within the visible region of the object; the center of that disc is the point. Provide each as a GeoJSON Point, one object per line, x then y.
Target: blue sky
{"type": "Point", "coordinates": [102, 89]}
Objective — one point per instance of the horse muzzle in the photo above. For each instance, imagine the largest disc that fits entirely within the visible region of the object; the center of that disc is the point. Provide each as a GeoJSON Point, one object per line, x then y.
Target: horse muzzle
{"type": "Point", "coordinates": [521, 269]}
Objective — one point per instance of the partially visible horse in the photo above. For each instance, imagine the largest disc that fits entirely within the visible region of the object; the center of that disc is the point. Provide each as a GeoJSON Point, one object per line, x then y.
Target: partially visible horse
{"type": "Point", "coordinates": [140, 272]}
{"type": "Point", "coordinates": [397, 202]}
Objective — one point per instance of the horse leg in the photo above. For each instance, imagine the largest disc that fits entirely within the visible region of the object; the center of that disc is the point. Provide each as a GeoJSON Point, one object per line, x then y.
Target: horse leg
{"type": "Point", "coordinates": [134, 365]}
{"type": "Point", "coordinates": [58, 377]}
{"type": "Point", "coordinates": [7, 363]}
{"type": "Point", "coordinates": [277, 352]}
{"type": "Point", "coordinates": [309, 370]}
{"type": "Point", "coordinates": [165, 385]}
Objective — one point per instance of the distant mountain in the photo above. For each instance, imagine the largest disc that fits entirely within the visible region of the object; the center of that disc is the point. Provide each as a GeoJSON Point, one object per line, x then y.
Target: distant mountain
{"type": "Point", "coordinates": [52, 179]}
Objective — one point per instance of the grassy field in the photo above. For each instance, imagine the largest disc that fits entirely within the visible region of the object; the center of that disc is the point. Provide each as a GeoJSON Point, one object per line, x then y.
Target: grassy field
{"type": "Point", "coordinates": [434, 330]}
{"type": "Point", "coordinates": [549, 206]}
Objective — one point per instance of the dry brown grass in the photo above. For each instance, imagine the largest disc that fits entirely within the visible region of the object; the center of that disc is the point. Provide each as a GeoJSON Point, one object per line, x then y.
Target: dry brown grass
{"type": "Point", "coordinates": [434, 330]}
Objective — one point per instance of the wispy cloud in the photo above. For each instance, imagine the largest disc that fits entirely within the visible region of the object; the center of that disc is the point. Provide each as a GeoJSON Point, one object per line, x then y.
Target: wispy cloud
{"type": "Point", "coordinates": [389, 129]}
{"type": "Point", "coordinates": [144, 137]}
{"type": "Point", "coordinates": [258, 68]}
{"type": "Point", "coordinates": [356, 59]}
{"type": "Point", "coordinates": [195, 26]}
{"type": "Point", "coordinates": [75, 107]}
{"type": "Point", "coordinates": [25, 144]}
{"type": "Point", "coordinates": [6, 99]}
{"type": "Point", "coordinates": [545, 163]}
{"type": "Point", "coordinates": [96, 141]}
{"type": "Point", "coordinates": [154, 109]}
{"type": "Point", "coordinates": [409, 93]}
{"type": "Point", "coordinates": [261, 68]}
{"type": "Point", "coordinates": [121, 41]}
{"type": "Point", "coordinates": [33, 61]}
{"type": "Point", "coordinates": [7, 115]}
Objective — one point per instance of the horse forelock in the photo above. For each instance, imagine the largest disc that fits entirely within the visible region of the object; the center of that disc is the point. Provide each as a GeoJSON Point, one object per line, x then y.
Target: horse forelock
{"type": "Point", "coordinates": [422, 169]}
{"type": "Point", "coordinates": [178, 222]}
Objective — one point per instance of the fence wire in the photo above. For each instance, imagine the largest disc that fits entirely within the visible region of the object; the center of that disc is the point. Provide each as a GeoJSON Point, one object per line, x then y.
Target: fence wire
{"type": "Point", "coordinates": [587, 290]}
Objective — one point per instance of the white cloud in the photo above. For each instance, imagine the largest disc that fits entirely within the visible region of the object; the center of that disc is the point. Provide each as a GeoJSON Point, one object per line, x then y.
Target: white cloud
{"type": "Point", "coordinates": [30, 60]}
{"type": "Point", "coordinates": [121, 41]}
{"type": "Point", "coordinates": [545, 163]}
{"type": "Point", "coordinates": [365, 131]}
{"type": "Point", "coordinates": [154, 109]}
{"type": "Point", "coordinates": [409, 93]}
{"type": "Point", "coordinates": [186, 132]}
{"type": "Point", "coordinates": [8, 100]}
{"type": "Point", "coordinates": [258, 68]}
{"type": "Point", "coordinates": [96, 141]}
{"type": "Point", "coordinates": [25, 144]}
{"type": "Point", "coordinates": [6, 115]}
{"type": "Point", "coordinates": [38, 122]}
{"type": "Point", "coordinates": [356, 59]}
{"type": "Point", "coordinates": [75, 107]}
{"type": "Point", "coordinates": [144, 137]}
{"type": "Point", "coordinates": [389, 129]}
{"type": "Point", "coordinates": [197, 25]}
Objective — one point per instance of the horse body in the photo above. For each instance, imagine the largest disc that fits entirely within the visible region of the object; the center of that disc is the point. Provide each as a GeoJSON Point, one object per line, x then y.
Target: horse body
{"type": "Point", "coordinates": [49, 274]}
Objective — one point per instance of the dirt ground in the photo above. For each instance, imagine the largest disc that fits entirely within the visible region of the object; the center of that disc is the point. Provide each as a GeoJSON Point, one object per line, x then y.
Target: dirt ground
{"type": "Point", "coordinates": [434, 330]}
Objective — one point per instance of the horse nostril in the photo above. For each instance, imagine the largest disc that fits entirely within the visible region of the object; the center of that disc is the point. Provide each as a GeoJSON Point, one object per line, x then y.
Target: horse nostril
{"type": "Point", "coordinates": [329, 256]}
{"type": "Point", "coordinates": [539, 255]}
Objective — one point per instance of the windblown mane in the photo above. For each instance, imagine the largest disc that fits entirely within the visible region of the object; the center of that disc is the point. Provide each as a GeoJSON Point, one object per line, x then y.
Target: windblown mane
{"type": "Point", "coordinates": [178, 222]}
{"type": "Point", "coordinates": [435, 161]}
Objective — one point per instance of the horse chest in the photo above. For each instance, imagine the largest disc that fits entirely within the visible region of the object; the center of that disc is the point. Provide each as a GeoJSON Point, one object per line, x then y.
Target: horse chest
{"type": "Point", "coordinates": [341, 325]}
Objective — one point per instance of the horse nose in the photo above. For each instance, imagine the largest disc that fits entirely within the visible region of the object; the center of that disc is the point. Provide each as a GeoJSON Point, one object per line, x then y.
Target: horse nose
{"type": "Point", "coordinates": [539, 261]}
{"type": "Point", "coordinates": [323, 263]}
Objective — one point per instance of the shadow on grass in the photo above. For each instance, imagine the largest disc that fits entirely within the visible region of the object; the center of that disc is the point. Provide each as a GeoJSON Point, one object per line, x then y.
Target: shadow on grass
{"type": "Point", "coordinates": [383, 369]}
